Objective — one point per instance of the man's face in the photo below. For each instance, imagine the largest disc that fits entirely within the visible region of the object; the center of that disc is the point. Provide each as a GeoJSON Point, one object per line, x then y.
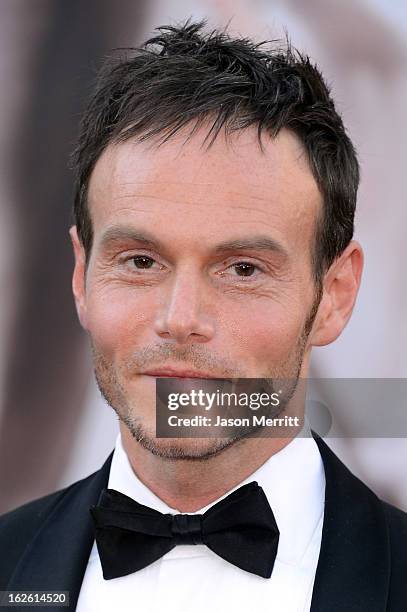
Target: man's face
{"type": "Point", "coordinates": [200, 265]}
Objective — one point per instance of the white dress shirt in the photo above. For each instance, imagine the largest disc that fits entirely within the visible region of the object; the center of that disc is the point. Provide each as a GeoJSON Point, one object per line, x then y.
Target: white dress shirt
{"type": "Point", "coordinates": [192, 577]}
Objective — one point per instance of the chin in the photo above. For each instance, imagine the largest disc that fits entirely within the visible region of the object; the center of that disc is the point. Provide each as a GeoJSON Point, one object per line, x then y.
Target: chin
{"type": "Point", "coordinates": [194, 449]}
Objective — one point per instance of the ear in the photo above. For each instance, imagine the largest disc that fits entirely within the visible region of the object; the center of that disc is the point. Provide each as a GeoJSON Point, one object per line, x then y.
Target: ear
{"type": "Point", "coordinates": [340, 288]}
{"type": "Point", "coordinates": [78, 277]}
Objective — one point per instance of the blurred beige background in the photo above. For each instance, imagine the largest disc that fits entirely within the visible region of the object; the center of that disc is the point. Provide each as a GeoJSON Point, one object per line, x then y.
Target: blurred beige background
{"type": "Point", "coordinates": [54, 427]}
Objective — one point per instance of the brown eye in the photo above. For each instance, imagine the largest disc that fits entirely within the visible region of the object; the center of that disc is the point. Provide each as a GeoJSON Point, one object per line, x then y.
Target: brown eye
{"type": "Point", "coordinates": [142, 262]}
{"type": "Point", "coordinates": [244, 269]}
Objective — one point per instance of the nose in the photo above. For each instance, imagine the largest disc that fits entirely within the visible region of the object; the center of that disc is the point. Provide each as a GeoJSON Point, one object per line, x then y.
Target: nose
{"type": "Point", "coordinates": [183, 316]}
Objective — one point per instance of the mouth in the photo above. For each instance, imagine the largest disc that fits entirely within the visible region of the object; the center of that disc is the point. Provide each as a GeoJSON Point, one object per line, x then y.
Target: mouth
{"type": "Point", "coordinates": [176, 373]}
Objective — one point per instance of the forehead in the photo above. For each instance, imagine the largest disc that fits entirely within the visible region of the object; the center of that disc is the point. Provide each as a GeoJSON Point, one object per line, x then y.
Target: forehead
{"type": "Point", "coordinates": [231, 187]}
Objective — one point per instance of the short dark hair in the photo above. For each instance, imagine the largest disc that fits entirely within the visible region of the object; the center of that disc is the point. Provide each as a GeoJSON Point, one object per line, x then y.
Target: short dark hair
{"type": "Point", "coordinates": [183, 75]}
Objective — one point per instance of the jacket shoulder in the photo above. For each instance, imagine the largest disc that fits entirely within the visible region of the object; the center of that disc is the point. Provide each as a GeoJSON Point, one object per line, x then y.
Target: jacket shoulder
{"type": "Point", "coordinates": [397, 522]}
{"type": "Point", "coordinates": [28, 516]}
{"type": "Point", "coordinates": [19, 526]}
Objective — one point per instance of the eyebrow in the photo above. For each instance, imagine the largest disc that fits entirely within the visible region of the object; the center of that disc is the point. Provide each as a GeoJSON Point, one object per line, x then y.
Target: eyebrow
{"type": "Point", "coordinates": [254, 243]}
{"type": "Point", "coordinates": [120, 234]}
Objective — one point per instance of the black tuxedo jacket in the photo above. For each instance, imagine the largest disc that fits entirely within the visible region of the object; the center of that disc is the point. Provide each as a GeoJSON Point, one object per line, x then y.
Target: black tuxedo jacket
{"type": "Point", "coordinates": [45, 544]}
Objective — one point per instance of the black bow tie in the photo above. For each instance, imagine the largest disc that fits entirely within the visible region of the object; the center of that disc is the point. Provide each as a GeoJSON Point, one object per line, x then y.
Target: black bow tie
{"type": "Point", "coordinates": [240, 528]}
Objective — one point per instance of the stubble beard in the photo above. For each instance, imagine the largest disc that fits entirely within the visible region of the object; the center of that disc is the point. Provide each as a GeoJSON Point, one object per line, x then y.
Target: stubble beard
{"type": "Point", "coordinates": [192, 449]}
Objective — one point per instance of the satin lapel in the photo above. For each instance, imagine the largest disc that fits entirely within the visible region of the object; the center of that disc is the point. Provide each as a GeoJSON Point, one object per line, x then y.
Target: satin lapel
{"type": "Point", "coordinates": [57, 556]}
{"type": "Point", "coordinates": [353, 570]}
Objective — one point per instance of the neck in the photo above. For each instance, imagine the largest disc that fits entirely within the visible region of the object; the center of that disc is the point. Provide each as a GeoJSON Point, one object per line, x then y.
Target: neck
{"type": "Point", "coordinates": [188, 485]}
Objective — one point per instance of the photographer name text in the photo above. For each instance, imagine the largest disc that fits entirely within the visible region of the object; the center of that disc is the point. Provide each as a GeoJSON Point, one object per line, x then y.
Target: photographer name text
{"type": "Point", "coordinates": [253, 420]}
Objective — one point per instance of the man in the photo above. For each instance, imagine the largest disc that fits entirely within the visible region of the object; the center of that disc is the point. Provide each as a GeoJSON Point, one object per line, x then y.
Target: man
{"type": "Point", "coordinates": [216, 191]}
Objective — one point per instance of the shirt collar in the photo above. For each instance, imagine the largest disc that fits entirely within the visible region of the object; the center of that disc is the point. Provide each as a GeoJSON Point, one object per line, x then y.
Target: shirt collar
{"type": "Point", "coordinates": [293, 480]}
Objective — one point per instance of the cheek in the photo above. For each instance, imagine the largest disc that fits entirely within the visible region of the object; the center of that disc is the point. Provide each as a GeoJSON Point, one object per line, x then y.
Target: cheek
{"type": "Point", "coordinates": [117, 321]}
{"type": "Point", "coordinates": [265, 333]}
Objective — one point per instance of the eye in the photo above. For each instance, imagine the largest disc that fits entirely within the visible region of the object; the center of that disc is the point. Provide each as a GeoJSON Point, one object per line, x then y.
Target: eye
{"type": "Point", "coordinates": [241, 270]}
{"type": "Point", "coordinates": [142, 262]}
{"type": "Point", "coordinates": [244, 268]}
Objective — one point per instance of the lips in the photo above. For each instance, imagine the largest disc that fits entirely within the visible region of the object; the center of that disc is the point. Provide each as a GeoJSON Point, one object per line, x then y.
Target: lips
{"type": "Point", "coordinates": [178, 373]}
